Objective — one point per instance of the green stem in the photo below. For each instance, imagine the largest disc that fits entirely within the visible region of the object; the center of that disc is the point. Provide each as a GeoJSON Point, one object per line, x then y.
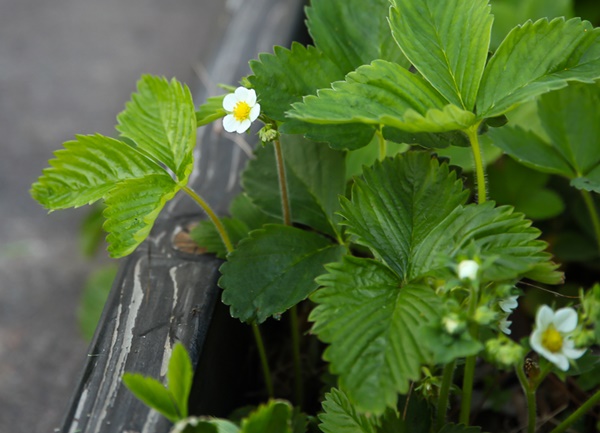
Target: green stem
{"type": "Point", "coordinates": [529, 390]}
{"type": "Point", "coordinates": [479, 167]}
{"type": "Point", "coordinates": [263, 360]}
{"type": "Point", "coordinates": [589, 202]}
{"type": "Point", "coordinates": [212, 216]}
{"type": "Point", "coordinates": [382, 145]}
{"type": "Point", "coordinates": [591, 402]}
{"type": "Point", "coordinates": [285, 201]}
{"type": "Point", "coordinates": [469, 375]}
{"type": "Point", "coordinates": [444, 395]}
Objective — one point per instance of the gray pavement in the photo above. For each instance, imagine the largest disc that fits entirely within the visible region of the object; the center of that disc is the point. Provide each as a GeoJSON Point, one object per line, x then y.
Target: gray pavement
{"type": "Point", "coordinates": [67, 67]}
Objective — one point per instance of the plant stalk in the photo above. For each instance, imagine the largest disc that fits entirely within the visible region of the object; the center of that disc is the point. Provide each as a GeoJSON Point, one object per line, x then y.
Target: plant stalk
{"type": "Point", "coordinates": [529, 390]}
{"type": "Point", "coordinates": [263, 360]}
{"type": "Point", "coordinates": [382, 145]}
{"type": "Point", "coordinates": [589, 202]}
{"type": "Point", "coordinates": [469, 374]}
{"type": "Point", "coordinates": [479, 167]}
{"type": "Point", "coordinates": [444, 395]}
{"type": "Point", "coordinates": [591, 402]}
{"type": "Point", "coordinates": [294, 328]}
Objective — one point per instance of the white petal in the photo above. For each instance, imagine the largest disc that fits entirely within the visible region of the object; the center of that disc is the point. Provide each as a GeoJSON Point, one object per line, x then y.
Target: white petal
{"type": "Point", "coordinates": [251, 98]}
{"type": "Point", "coordinates": [230, 124]}
{"type": "Point", "coordinates": [509, 304]}
{"type": "Point", "coordinates": [229, 102]}
{"type": "Point", "coordinates": [241, 93]}
{"type": "Point", "coordinates": [569, 349]}
{"type": "Point", "coordinates": [468, 269]}
{"type": "Point", "coordinates": [254, 112]}
{"type": "Point", "coordinates": [535, 341]}
{"type": "Point", "coordinates": [544, 317]}
{"type": "Point", "coordinates": [561, 361]}
{"type": "Point", "coordinates": [565, 320]}
{"type": "Point", "coordinates": [243, 126]}
{"type": "Point", "coordinates": [504, 326]}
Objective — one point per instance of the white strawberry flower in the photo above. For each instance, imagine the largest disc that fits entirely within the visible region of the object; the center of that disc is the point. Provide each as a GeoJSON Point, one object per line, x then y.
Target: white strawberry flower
{"type": "Point", "coordinates": [242, 109]}
{"type": "Point", "coordinates": [467, 269]}
{"type": "Point", "coordinates": [551, 337]}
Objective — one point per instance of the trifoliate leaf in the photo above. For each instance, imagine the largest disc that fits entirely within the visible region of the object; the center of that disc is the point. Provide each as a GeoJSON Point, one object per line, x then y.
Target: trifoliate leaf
{"type": "Point", "coordinates": [284, 77]}
{"type": "Point", "coordinates": [273, 417]}
{"type": "Point", "coordinates": [340, 416]}
{"type": "Point", "coordinates": [447, 42]}
{"type": "Point", "coordinates": [372, 323]}
{"type": "Point", "coordinates": [210, 111]}
{"type": "Point", "coordinates": [161, 120]}
{"type": "Point", "coordinates": [397, 204]}
{"type": "Point", "coordinates": [536, 58]}
{"type": "Point", "coordinates": [153, 394]}
{"type": "Point", "coordinates": [274, 269]}
{"type": "Point", "coordinates": [131, 209]}
{"type": "Point", "coordinates": [351, 34]}
{"type": "Point", "coordinates": [87, 169]}
{"type": "Point", "coordinates": [180, 376]}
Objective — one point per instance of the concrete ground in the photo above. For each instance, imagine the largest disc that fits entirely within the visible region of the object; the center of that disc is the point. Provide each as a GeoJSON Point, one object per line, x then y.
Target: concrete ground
{"type": "Point", "coordinates": [67, 67]}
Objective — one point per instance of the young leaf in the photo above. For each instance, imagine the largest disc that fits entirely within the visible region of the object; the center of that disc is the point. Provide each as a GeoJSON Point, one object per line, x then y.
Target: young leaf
{"type": "Point", "coordinates": [536, 58]}
{"type": "Point", "coordinates": [273, 417]}
{"type": "Point", "coordinates": [397, 204]}
{"type": "Point", "coordinates": [351, 34]}
{"type": "Point", "coordinates": [153, 394]}
{"type": "Point", "coordinates": [131, 209]}
{"type": "Point", "coordinates": [293, 259]}
{"type": "Point", "coordinates": [208, 238]}
{"type": "Point", "coordinates": [210, 111]}
{"type": "Point", "coordinates": [383, 93]}
{"type": "Point", "coordinates": [161, 120]}
{"type": "Point", "coordinates": [340, 416]}
{"type": "Point", "coordinates": [372, 323]}
{"type": "Point", "coordinates": [180, 376]}
{"type": "Point", "coordinates": [87, 169]}
{"type": "Point", "coordinates": [447, 42]}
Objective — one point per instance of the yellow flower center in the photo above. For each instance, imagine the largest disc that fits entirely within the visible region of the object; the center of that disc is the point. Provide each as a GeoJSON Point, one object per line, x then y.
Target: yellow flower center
{"type": "Point", "coordinates": [241, 111]}
{"type": "Point", "coordinates": [552, 340]}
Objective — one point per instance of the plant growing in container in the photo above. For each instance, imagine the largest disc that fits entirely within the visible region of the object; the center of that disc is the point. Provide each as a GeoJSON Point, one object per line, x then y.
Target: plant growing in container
{"type": "Point", "coordinates": [347, 202]}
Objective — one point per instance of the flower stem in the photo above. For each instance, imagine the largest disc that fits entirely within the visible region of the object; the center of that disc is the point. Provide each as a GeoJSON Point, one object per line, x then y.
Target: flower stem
{"type": "Point", "coordinates": [382, 145]}
{"type": "Point", "coordinates": [469, 374]}
{"type": "Point", "coordinates": [589, 202]}
{"type": "Point", "coordinates": [529, 390]}
{"type": "Point", "coordinates": [444, 395]}
{"type": "Point", "coordinates": [263, 360]}
{"type": "Point", "coordinates": [294, 328]}
{"type": "Point", "coordinates": [479, 168]}
{"type": "Point", "coordinates": [212, 216]}
{"type": "Point", "coordinates": [591, 402]}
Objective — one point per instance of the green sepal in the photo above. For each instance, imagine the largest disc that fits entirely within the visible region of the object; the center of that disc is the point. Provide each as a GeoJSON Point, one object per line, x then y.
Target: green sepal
{"type": "Point", "coordinates": [210, 111]}
{"type": "Point", "coordinates": [294, 259]}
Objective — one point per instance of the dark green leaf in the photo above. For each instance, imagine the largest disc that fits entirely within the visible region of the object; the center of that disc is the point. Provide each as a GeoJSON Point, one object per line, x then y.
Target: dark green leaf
{"type": "Point", "coordinates": [365, 157]}
{"type": "Point", "coordinates": [351, 34]}
{"type": "Point", "coordinates": [273, 417]}
{"type": "Point", "coordinates": [536, 58]}
{"type": "Point", "coordinates": [94, 296]}
{"type": "Point", "coordinates": [274, 269]}
{"type": "Point", "coordinates": [180, 376]}
{"type": "Point", "coordinates": [446, 348]}
{"type": "Point", "coordinates": [153, 394]}
{"type": "Point", "coordinates": [447, 42]}
{"type": "Point", "coordinates": [348, 136]}
{"type": "Point", "coordinates": [161, 120]}
{"type": "Point", "coordinates": [242, 208]}
{"type": "Point", "coordinates": [131, 209]}
{"type": "Point", "coordinates": [372, 323]}
{"type": "Point", "coordinates": [426, 139]}
{"type": "Point", "coordinates": [210, 111]}
{"type": "Point", "coordinates": [208, 238]}
{"type": "Point", "coordinates": [340, 416]}
{"type": "Point", "coordinates": [459, 428]}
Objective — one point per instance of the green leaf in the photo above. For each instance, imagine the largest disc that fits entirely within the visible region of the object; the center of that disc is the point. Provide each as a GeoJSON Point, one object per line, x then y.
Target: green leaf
{"type": "Point", "coordinates": [536, 58]}
{"type": "Point", "coordinates": [397, 204]}
{"type": "Point", "coordinates": [427, 139]}
{"type": "Point", "coordinates": [161, 120]}
{"type": "Point", "coordinates": [351, 34]}
{"type": "Point", "coordinates": [203, 424]}
{"type": "Point", "coordinates": [153, 394]}
{"type": "Point", "coordinates": [358, 159]}
{"type": "Point", "coordinates": [274, 269]}
{"type": "Point", "coordinates": [180, 376]}
{"type": "Point", "coordinates": [208, 238]}
{"type": "Point", "coordinates": [95, 293]}
{"type": "Point", "coordinates": [131, 209]}
{"type": "Point", "coordinates": [210, 111]}
{"type": "Point", "coordinates": [372, 323]}
{"type": "Point", "coordinates": [242, 208]}
{"type": "Point", "coordinates": [447, 42]}
{"type": "Point", "coordinates": [312, 188]}
{"type": "Point", "coordinates": [340, 416]}
{"type": "Point", "coordinates": [459, 428]}
{"type": "Point", "coordinates": [91, 234]}
{"type": "Point", "coordinates": [463, 156]}
{"type": "Point", "coordinates": [348, 136]}
{"type": "Point", "coordinates": [383, 93]}
{"type": "Point", "coordinates": [273, 417]}
{"type": "Point", "coordinates": [284, 77]}
{"type": "Point", "coordinates": [87, 169]}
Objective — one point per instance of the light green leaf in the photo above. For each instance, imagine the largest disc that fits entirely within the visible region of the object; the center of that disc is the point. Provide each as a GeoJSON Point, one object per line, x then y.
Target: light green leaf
{"type": "Point", "coordinates": [340, 416]}
{"type": "Point", "coordinates": [161, 120]}
{"type": "Point", "coordinates": [383, 93]}
{"type": "Point", "coordinates": [210, 111]}
{"type": "Point", "coordinates": [131, 209]}
{"type": "Point", "coordinates": [273, 417]}
{"type": "Point", "coordinates": [95, 293]}
{"type": "Point", "coordinates": [536, 58]}
{"type": "Point", "coordinates": [351, 34]}
{"type": "Point", "coordinates": [194, 424]}
{"type": "Point", "coordinates": [284, 77]}
{"type": "Point", "coordinates": [153, 394]}
{"type": "Point", "coordinates": [180, 376]}
{"type": "Point", "coordinates": [293, 258]}
{"type": "Point", "coordinates": [87, 169]}
{"type": "Point", "coordinates": [372, 323]}
{"type": "Point", "coordinates": [447, 42]}
{"type": "Point", "coordinates": [397, 204]}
